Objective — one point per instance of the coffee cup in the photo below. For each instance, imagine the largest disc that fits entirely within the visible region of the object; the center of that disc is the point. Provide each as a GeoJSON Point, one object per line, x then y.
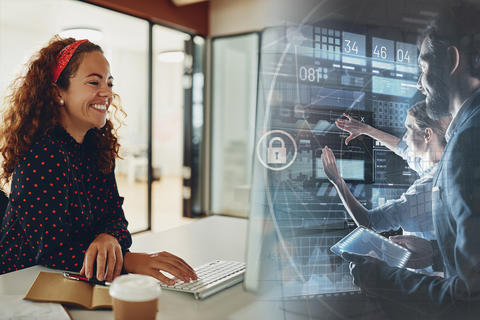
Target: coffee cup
{"type": "Point", "coordinates": [134, 296]}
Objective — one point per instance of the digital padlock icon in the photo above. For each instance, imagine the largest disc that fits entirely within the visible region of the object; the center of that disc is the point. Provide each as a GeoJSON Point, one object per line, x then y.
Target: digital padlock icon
{"type": "Point", "coordinates": [276, 155]}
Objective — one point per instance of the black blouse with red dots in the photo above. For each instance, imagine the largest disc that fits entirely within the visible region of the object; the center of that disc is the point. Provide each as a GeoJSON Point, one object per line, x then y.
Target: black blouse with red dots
{"type": "Point", "coordinates": [58, 204]}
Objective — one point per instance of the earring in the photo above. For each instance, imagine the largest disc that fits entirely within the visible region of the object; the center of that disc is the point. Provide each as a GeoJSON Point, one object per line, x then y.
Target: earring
{"type": "Point", "coordinates": [61, 102]}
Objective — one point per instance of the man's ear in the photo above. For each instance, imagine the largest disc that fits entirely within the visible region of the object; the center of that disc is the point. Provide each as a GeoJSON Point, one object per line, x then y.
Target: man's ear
{"type": "Point", "coordinates": [453, 59]}
{"type": "Point", "coordinates": [428, 135]}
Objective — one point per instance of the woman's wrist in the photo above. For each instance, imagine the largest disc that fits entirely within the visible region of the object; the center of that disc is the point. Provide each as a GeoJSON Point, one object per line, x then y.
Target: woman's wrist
{"type": "Point", "coordinates": [337, 181]}
{"type": "Point", "coordinates": [133, 262]}
{"type": "Point", "coordinates": [369, 130]}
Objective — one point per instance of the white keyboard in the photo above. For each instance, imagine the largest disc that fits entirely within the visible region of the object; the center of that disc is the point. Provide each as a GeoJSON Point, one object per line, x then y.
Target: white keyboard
{"type": "Point", "coordinates": [212, 278]}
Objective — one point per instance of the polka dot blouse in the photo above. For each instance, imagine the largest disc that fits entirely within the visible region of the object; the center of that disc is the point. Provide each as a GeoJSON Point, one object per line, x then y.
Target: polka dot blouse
{"type": "Point", "coordinates": [58, 204]}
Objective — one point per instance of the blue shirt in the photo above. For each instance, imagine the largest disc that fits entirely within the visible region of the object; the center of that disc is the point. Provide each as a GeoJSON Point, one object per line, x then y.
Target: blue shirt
{"type": "Point", "coordinates": [414, 163]}
{"type": "Point", "coordinates": [412, 211]}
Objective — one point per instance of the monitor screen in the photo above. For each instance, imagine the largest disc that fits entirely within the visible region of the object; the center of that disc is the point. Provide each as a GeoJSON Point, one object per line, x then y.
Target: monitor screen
{"type": "Point", "coordinates": [349, 169]}
{"type": "Point", "coordinates": [309, 77]}
{"type": "Point", "coordinates": [394, 87]}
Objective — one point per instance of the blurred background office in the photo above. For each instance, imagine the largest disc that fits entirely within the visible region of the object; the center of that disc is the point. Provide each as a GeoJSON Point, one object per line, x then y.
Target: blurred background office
{"type": "Point", "coordinates": [186, 71]}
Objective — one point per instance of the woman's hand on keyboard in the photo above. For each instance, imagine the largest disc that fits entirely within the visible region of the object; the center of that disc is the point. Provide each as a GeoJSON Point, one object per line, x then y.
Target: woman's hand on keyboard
{"type": "Point", "coordinates": [153, 265]}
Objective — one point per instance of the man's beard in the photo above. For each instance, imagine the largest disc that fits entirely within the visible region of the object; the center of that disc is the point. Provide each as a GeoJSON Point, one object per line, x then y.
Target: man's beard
{"type": "Point", "coordinates": [437, 101]}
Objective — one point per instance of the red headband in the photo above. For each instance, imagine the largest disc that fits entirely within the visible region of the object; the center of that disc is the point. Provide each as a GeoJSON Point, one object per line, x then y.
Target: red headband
{"type": "Point", "coordinates": [64, 57]}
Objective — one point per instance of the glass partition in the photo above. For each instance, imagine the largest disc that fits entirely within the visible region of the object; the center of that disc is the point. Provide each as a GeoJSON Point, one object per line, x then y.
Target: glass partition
{"type": "Point", "coordinates": [169, 59]}
{"type": "Point", "coordinates": [234, 86]}
{"type": "Point", "coordinates": [198, 120]}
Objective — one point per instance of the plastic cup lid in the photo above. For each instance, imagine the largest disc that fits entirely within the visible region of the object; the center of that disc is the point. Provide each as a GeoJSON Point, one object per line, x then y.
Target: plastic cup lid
{"type": "Point", "coordinates": [134, 287]}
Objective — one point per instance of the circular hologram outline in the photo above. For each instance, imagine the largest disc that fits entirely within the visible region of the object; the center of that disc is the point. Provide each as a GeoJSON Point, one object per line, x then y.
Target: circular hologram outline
{"type": "Point", "coordinates": [266, 134]}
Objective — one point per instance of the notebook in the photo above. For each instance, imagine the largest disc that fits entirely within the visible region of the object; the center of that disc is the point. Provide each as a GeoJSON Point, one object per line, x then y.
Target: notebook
{"type": "Point", "coordinates": [53, 287]}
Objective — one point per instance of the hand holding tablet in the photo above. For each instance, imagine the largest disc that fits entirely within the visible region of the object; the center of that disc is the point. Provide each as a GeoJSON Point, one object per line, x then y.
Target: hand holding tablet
{"type": "Point", "coordinates": [363, 241]}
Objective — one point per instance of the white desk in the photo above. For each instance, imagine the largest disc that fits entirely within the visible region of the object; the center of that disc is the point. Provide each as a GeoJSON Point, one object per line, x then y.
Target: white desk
{"type": "Point", "coordinates": [199, 242]}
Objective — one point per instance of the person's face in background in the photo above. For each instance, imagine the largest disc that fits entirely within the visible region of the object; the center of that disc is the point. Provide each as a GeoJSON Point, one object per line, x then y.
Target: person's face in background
{"type": "Point", "coordinates": [415, 139]}
{"type": "Point", "coordinates": [88, 96]}
{"type": "Point", "coordinates": [432, 82]}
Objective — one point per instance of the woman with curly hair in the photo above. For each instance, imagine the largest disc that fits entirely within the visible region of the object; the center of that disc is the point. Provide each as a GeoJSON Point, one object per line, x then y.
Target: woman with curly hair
{"type": "Point", "coordinates": [59, 151]}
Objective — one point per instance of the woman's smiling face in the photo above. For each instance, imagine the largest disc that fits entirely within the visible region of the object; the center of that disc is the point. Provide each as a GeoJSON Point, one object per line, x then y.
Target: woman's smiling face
{"type": "Point", "coordinates": [88, 96]}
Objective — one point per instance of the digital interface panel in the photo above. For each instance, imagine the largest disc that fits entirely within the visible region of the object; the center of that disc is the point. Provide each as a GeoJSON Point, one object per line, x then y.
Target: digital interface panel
{"type": "Point", "coordinates": [349, 169]}
{"type": "Point", "coordinates": [383, 55]}
{"type": "Point", "coordinates": [311, 75]}
{"type": "Point", "coordinates": [393, 87]}
{"type": "Point", "coordinates": [406, 58]}
{"type": "Point", "coordinates": [353, 49]}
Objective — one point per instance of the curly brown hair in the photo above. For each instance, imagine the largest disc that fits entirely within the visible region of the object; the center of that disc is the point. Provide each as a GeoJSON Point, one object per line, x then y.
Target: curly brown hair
{"type": "Point", "coordinates": [32, 109]}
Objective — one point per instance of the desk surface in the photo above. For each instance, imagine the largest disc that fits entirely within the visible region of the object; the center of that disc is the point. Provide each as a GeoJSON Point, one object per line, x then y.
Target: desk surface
{"type": "Point", "coordinates": [204, 240]}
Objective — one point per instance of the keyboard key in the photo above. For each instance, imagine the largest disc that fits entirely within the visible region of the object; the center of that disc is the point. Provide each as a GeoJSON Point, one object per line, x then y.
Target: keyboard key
{"type": "Point", "coordinates": [212, 277]}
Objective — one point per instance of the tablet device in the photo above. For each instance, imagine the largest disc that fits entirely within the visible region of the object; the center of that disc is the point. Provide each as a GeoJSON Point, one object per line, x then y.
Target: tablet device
{"type": "Point", "coordinates": [366, 242]}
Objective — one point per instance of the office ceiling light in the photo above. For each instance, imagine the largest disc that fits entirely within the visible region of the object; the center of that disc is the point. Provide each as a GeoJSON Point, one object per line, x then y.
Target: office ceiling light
{"type": "Point", "coordinates": [180, 3]}
{"type": "Point", "coordinates": [198, 40]}
{"type": "Point", "coordinates": [91, 34]}
{"type": "Point", "coordinates": [171, 56]}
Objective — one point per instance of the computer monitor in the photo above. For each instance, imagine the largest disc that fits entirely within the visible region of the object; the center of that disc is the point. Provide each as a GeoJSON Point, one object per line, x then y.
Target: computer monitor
{"type": "Point", "coordinates": [309, 76]}
{"type": "Point", "coordinates": [290, 232]}
{"type": "Point", "coordinates": [350, 169]}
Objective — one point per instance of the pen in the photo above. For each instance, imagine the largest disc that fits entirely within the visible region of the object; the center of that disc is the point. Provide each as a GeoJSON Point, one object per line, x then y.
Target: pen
{"type": "Point", "coordinates": [75, 276]}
